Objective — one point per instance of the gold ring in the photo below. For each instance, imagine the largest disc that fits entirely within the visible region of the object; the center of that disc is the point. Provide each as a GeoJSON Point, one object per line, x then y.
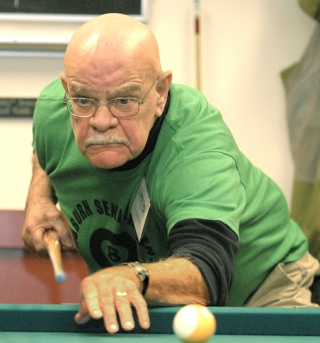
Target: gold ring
{"type": "Point", "coordinates": [121, 294]}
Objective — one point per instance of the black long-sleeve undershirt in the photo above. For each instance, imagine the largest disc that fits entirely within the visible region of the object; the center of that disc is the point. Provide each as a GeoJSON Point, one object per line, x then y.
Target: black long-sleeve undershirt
{"type": "Point", "coordinates": [212, 247]}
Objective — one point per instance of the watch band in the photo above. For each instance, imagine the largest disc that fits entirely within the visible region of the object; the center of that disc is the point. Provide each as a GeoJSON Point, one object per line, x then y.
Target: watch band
{"type": "Point", "coordinates": [142, 273]}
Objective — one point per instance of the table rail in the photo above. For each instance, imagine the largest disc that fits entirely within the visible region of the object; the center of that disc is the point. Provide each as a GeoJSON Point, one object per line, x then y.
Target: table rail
{"type": "Point", "coordinates": [230, 321]}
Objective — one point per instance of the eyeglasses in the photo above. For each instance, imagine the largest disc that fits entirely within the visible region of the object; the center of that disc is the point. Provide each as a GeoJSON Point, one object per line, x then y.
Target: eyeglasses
{"type": "Point", "coordinates": [119, 107]}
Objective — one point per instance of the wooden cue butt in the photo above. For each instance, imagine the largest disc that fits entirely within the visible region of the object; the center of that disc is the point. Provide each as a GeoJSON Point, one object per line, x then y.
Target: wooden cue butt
{"type": "Point", "coordinates": [53, 247]}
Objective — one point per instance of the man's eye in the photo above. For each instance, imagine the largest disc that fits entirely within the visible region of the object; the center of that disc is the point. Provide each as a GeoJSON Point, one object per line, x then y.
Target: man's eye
{"type": "Point", "coordinates": [83, 102]}
{"type": "Point", "coordinates": [123, 101]}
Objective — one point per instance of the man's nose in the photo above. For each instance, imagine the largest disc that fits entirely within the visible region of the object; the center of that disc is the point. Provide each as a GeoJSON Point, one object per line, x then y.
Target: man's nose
{"type": "Point", "coordinates": [103, 119]}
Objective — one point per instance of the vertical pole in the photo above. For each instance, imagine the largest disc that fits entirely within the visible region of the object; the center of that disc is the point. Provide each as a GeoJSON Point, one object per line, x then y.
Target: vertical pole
{"type": "Point", "coordinates": [197, 44]}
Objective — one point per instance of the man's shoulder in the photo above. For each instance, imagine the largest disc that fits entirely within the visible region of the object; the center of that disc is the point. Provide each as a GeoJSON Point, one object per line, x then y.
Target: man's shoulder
{"type": "Point", "coordinates": [50, 101]}
{"type": "Point", "coordinates": [53, 91]}
{"type": "Point", "coordinates": [190, 107]}
{"type": "Point", "coordinates": [189, 99]}
{"type": "Point", "coordinates": [178, 90]}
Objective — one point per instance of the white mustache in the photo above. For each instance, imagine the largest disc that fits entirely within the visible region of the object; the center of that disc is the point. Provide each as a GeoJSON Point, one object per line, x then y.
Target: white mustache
{"type": "Point", "coordinates": [105, 140]}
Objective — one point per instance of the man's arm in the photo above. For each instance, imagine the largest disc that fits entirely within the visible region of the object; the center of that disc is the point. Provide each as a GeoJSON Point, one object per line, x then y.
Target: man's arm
{"type": "Point", "coordinates": [41, 213]}
{"type": "Point", "coordinates": [176, 281]}
{"type": "Point", "coordinates": [172, 281]}
{"type": "Point", "coordinates": [203, 276]}
{"type": "Point", "coordinates": [212, 246]}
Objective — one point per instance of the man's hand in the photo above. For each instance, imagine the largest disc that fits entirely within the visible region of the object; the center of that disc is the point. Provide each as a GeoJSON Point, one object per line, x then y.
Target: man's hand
{"type": "Point", "coordinates": [40, 218]}
{"type": "Point", "coordinates": [109, 292]}
{"type": "Point", "coordinates": [41, 213]}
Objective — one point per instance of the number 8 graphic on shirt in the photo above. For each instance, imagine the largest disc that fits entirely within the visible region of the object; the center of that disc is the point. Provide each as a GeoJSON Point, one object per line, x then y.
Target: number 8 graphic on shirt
{"type": "Point", "coordinates": [109, 249]}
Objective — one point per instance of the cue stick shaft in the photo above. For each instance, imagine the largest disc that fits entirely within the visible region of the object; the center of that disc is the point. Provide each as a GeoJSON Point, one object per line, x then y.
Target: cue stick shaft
{"type": "Point", "coordinates": [53, 247]}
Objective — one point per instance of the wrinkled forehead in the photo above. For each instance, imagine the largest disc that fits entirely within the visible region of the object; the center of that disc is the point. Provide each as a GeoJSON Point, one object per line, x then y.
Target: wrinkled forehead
{"type": "Point", "coordinates": [102, 68]}
{"type": "Point", "coordinates": [114, 40]}
{"type": "Point", "coordinates": [111, 54]}
{"type": "Point", "coordinates": [127, 89]}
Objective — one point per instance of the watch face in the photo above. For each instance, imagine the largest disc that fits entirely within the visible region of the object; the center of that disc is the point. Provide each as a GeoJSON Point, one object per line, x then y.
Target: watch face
{"type": "Point", "coordinates": [140, 270]}
{"type": "Point", "coordinates": [142, 273]}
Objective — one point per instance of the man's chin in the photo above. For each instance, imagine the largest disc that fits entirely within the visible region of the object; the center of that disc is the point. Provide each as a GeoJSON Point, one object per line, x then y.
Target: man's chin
{"type": "Point", "coordinates": [107, 160]}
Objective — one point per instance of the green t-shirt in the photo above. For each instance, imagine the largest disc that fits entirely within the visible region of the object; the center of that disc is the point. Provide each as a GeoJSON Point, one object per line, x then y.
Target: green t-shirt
{"type": "Point", "coordinates": [195, 171]}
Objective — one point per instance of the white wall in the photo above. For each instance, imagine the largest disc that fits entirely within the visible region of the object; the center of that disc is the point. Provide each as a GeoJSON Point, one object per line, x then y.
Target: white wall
{"type": "Point", "coordinates": [245, 45]}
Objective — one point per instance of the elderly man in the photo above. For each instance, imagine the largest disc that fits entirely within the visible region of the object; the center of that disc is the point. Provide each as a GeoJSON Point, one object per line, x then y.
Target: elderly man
{"type": "Point", "coordinates": [162, 205]}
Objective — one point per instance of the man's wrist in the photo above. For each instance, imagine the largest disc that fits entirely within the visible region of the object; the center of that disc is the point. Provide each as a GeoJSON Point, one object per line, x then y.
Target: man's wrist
{"type": "Point", "coordinates": [142, 273]}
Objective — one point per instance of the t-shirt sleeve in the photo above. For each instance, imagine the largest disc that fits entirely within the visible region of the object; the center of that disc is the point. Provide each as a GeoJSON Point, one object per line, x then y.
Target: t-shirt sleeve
{"type": "Point", "coordinates": [212, 247]}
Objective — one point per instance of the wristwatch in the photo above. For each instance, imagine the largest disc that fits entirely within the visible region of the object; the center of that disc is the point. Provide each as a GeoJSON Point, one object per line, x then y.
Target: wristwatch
{"type": "Point", "coordinates": [142, 273]}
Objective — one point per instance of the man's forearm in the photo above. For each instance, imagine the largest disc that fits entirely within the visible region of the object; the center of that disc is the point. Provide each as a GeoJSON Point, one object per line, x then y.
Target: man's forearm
{"type": "Point", "coordinates": [176, 281]}
{"type": "Point", "coordinates": [41, 213]}
{"type": "Point", "coordinates": [40, 187]}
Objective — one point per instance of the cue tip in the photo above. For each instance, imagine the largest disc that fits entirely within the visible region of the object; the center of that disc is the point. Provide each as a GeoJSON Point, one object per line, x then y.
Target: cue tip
{"type": "Point", "coordinates": [60, 277]}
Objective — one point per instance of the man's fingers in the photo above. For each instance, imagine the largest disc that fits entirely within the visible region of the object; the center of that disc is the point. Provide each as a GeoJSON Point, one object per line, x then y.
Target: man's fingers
{"type": "Point", "coordinates": [90, 298]}
{"type": "Point", "coordinates": [112, 298]}
{"type": "Point", "coordinates": [123, 306]}
{"type": "Point", "coordinates": [34, 242]}
{"type": "Point", "coordinates": [109, 313]}
{"type": "Point", "coordinates": [65, 234]}
{"type": "Point", "coordinates": [140, 304]}
{"type": "Point", "coordinates": [66, 239]}
{"type": "Point", "coordinates": [82, 318]}
{"type": "Point", "coordinates": [83, 315]}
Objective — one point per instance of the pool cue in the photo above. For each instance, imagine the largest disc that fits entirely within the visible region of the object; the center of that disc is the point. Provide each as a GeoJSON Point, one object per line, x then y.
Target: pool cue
{"type": "Point", "coordinates": [197, 43]}
{"type": "Point", "coordinates": [53, 247]}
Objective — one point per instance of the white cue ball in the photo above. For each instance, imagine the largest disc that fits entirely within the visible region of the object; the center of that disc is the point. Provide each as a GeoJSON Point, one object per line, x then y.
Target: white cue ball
{"type": "Point", "coordinates": [194, 324]}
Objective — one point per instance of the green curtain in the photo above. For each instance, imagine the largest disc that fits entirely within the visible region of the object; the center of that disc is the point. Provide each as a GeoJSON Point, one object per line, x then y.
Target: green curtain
{"type": "Point", "coordinates": [302, 86]}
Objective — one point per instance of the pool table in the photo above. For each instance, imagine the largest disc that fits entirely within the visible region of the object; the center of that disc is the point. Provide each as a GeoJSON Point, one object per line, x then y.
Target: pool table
{"type": "Point", "coordinates": [55, 323]}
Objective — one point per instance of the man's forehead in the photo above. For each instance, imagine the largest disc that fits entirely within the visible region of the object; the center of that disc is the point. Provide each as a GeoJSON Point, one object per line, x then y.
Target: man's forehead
{"type": "Point", "coordinates": [125, 88]}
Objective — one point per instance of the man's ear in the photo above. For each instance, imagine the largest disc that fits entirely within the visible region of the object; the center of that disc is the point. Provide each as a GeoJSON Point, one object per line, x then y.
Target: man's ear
{"type": "Point", "coordinates": [63, 79]}
{"type": "Point", "coordinates": [163, 87]}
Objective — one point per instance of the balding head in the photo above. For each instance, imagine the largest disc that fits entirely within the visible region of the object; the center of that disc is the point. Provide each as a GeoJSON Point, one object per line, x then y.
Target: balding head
{"type": "Point", "coordinates": [114, 39]}
{"type": "Point", "coordinates": [114, 59]}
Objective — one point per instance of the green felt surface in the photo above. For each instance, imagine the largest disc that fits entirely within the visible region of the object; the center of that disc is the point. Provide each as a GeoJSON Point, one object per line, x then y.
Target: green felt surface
{"type": "Point", "coordinates": [55, 323]}
{"type": "Point", "coordinates": [45, 337]}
